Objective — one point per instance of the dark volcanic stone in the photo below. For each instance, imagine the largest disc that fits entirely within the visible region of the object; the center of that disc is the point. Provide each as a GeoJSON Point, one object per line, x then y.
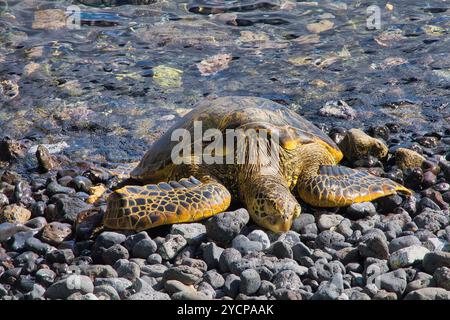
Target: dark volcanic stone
{"type": "Point", "coordinates": [432, 220]}
{"type": "Point", "coordinates": [281, 249]}
{"type": "Point", "coordinates": [114, 253]}
{"type": "Point", "coordinates": [360, 210]}
{"type": "Point", "coordinates": [225, 226]}
{"type": "Point", "coordinates": [144, 248]}
{"type": "Point", "coordinates": [69, 208]}
{"type": "Point", "coordinates": [328, 238]}
{"type": "Point", "coordinates": [389, 204]}
{"type": "Point", "coordinates": [60, 256]}
{"type": "Point", "coordinates": [250, 282]}
{"type": "Point", "coordinates": [228, 256]}
{"type": "Point", "coordinates": [374, 246]}
{"type": "Point", "coordinates": [434, 260]}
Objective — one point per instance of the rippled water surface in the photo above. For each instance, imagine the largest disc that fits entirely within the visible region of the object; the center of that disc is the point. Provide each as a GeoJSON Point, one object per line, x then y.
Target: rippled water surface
{"type": "Point", "coordinates": [133, 68]}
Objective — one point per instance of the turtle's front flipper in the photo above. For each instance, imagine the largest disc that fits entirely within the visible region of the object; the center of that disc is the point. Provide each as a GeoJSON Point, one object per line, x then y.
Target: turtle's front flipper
{"type": "Point", "coordinates": [143, 207]}
{"type": "Point", "coordinates": [337, 186]}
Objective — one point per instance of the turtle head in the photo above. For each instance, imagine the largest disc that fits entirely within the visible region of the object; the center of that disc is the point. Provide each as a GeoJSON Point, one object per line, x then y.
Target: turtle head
{"type": "Point", "coordinates": [280, 213]}
{"type": "Point", "coordinates": [271, 204]}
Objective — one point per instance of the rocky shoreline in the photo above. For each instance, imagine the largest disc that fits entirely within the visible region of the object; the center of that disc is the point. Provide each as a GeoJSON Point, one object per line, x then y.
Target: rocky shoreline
{"type": "Point", "coordinates": [51, 245]}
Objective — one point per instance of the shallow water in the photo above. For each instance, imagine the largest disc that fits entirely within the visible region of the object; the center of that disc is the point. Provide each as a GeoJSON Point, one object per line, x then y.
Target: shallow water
{"type": "Point", "coordinates": [113, 86]}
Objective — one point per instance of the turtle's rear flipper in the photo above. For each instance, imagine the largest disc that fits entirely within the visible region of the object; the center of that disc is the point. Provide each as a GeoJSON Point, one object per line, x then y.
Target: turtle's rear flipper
{"type": "Point", "coordinates": [143, 207]}
{"type": "Point", "coordinates": [336, 186]}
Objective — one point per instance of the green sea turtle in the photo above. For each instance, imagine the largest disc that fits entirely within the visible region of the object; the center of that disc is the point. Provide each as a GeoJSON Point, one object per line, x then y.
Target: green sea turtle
{"type": "Point", "coordinates": [305, 162]}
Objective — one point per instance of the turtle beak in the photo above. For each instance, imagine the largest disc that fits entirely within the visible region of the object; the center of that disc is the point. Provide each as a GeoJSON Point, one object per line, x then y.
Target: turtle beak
{"type": "Point", "coordinates": [282, 225]}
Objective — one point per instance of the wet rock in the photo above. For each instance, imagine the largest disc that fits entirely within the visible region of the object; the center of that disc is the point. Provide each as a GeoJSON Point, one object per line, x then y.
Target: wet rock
{"type": "Point", "coordinates": [338, 109]}
{"type": "Point", "coordinates": [14, 213]}
{"type": "Point", "coordinates": [250, 282]}
{"type": "Point", "coordinates": [428, 203]}
{"type": "Point", "coordinates": [55, 232]}
{"type": "Point", "coordinates": [434, 260]}
{"type": "Point", "coordinates": [428, 294]}
{"type": "Point", "coordinates": [38, 246]}
{"type": "Point", "coordinates": [357, 145]}
{"type": "Point", "coordinates": [406, 158]}
{"type": "Point", "coordinates": [80, 183]}
{"type": "Point", "coordinates": [11, 149]}
{"type": "Point", "coordinates": [55, 188]}
{"type": "Point", "coordinates": [36, 223]}
{"type": "Point", "coordinates": [214, 64]}
{"type": "Point", "coordinates": [413, 177]}
{"type": "Point", "coordinates": [173, 244]}
{"type": "Point", "coordinates": [46, 162]}
{"type": "Point", "coordinates": [7, 230]}
{"type": "Point", "coordinates": [62, 289]}
{"type": "Point", "coordinates": [224, 227]}
{"type": "Point", "coordinates": [18, 241]}
{"type": "Point", "coordinates": [87, 223]}
{"type": "Point", "coordinates": [60, 256]}
{"type": "Point", "coordinates": [69, 208]}
{"type": "Point", "coordinates": [429, 179]}
{"type": "Point", "coordinates": [435, 198]}
{"type": "Point", "coordinates": [192, 232]}
{"type": "Point", "coordinates": [360, 210]}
